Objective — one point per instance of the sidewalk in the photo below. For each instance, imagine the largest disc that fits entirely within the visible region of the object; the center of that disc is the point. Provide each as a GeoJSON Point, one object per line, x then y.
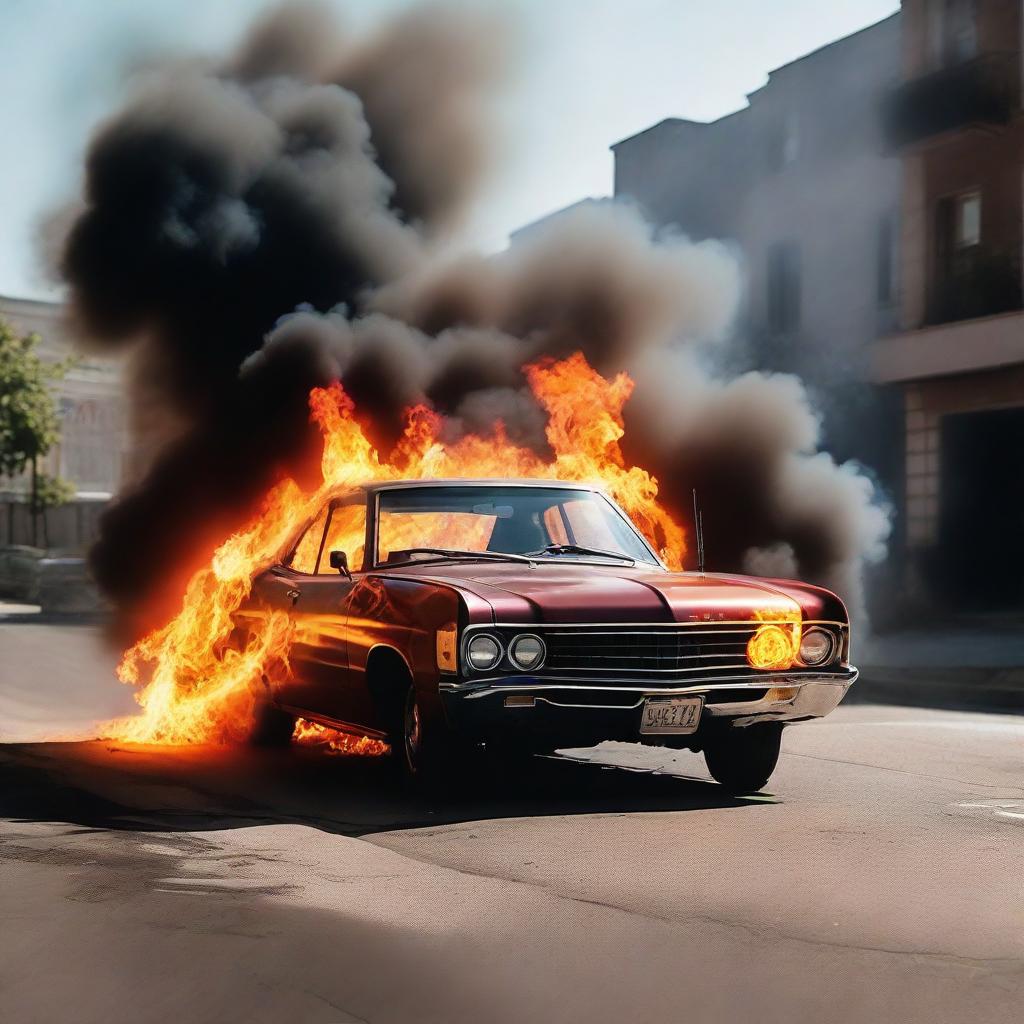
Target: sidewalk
{"type": "Point", "coordinates": [15, 612]}
{"type": "Point", "coordinates": [954, 666]}
{"type": "Point", "coordinates": [12, 609]}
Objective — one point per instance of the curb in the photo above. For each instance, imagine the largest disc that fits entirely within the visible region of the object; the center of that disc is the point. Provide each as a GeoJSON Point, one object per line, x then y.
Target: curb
{"type": "Point", "coordinates": [54, 618]}
{"type": "Point", "coordinates": [954, 689]}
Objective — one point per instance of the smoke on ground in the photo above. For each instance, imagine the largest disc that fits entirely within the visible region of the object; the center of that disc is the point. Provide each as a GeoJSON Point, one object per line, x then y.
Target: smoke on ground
{"type": "Point", "coordinates": [256, 226]}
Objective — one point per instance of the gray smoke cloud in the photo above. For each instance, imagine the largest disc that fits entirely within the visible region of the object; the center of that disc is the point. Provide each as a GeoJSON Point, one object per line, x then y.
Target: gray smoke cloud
{"type": "Point", "coordinates": [600, 281]}
{"type": "Point", "coordinates": [256, 226]}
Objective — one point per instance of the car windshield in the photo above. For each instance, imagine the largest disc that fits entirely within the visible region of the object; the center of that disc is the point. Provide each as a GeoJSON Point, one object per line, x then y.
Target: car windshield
{"type": "Point", "coordinates": [542, 522]}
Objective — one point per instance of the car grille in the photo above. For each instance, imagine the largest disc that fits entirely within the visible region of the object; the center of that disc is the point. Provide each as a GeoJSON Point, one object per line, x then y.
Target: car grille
{"type": "Point", "coordinates": [671, 650]}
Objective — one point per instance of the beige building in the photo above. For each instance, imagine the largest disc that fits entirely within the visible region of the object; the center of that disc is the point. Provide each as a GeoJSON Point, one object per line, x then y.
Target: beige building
{"type": "Point", "coordinates": [957, 122]}
{"type": "Point", "coordinates": [94, 449]}
{"type": "Point", "coordinates": [94, 438]}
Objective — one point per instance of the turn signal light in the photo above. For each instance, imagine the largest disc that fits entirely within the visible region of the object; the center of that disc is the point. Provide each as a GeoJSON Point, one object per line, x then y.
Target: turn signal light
{"type": "Point", "coordinates": [447, 645]}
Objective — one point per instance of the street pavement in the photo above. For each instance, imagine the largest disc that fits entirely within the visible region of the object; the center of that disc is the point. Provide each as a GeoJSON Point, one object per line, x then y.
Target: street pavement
{"type": "Point", "coordinates": [877, 879]}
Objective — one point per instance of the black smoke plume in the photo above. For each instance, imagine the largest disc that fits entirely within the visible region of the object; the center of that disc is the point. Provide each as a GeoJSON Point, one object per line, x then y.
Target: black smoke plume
{"type": "Point", "coordinates": [254, 227]}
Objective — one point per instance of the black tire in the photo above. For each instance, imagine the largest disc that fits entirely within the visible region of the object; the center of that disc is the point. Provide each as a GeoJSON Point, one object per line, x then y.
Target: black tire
{"type": "Point", "coordinates": [271, 726]}
{"type": "Point", "coordinates": [431, 757]}
{"type": "Point", "coordinates": [742, 760]}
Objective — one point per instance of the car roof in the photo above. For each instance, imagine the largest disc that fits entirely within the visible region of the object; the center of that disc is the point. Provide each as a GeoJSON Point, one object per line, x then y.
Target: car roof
{"type": "Point", "coordinates": [391, 485]}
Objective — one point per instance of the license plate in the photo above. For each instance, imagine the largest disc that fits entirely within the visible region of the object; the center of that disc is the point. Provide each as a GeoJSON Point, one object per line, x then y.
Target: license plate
{"type": "Point", "coordinates": [675, 715]}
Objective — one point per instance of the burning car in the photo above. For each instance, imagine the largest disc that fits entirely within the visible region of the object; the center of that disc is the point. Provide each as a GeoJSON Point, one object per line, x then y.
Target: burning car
{"type": "Point", "coordinates": [529, 616]}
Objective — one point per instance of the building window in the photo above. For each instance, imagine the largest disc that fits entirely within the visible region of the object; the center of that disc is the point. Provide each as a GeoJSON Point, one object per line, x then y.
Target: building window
{"type": "Point", "coordinates": [953, 32]}
{"type": "Point", "coordinates": [885, 260]}
{"type": "Point", "coordinates": [967, 220]}
{"type": "Point", "coordinates": [783, 288]}
{"type": "Point", "coordinates": [958, 233]}
{"type": "Point", "coordinates": [783, 143]}
{"type": "Point", "coordinates": [971, 277]}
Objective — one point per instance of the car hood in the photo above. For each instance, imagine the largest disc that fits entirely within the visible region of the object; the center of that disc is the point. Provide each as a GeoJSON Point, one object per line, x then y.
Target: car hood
{"type": "Point", "coordinates": [560, 592]}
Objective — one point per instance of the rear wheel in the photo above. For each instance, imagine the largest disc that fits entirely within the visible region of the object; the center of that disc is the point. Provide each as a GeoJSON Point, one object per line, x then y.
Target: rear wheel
{"type": "Point", "coordinates": [271, 726]}
{"type": "Point", "coordinates": [742, 760]}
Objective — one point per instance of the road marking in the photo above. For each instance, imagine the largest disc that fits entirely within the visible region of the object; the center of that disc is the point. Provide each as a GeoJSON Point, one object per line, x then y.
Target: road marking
{"type": "Point", "coordinates": [1005, 727]}
{"type": "Point", "coordinates": [1012, 809]}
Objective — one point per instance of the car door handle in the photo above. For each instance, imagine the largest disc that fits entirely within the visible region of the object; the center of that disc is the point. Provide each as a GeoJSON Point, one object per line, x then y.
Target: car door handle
{"type": "Point", "coordinates": [294, 595]}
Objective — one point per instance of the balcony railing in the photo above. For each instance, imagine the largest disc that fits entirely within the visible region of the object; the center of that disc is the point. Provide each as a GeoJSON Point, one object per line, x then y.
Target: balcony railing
{"type": "Point", "coordinates": [985, 90]}
{"type": "Point", "coordinates": [982, 283]}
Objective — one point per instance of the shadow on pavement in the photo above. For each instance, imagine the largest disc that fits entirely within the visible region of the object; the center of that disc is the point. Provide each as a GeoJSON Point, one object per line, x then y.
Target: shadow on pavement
{"type": "Point", "coordinates": [102, 785]}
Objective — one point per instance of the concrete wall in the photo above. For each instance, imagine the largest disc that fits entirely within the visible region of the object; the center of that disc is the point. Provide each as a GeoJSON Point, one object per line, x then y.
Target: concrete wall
{"type": "Point", "coordinates": [69, 529]}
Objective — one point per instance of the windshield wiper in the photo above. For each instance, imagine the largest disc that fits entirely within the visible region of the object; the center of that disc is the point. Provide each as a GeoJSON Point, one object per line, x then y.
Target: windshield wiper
{"type": "Point", "coordinates": [500, 556]}
{"type": "Point", "coordinates": [577, 549]}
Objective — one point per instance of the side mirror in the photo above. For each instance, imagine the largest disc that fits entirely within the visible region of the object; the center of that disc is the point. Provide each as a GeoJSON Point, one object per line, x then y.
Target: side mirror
{"type": "Point", "coordinates": [339, 561]}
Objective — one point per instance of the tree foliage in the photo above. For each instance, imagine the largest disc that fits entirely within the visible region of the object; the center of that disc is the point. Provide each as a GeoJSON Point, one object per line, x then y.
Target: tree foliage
{"type": "Point", "coordinates": [29, 424]}
{"type": "Point", "coordinates": [29, 420]}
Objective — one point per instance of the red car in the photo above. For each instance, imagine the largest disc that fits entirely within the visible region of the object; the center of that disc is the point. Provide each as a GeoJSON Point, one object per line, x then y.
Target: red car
{"type": "Point", "coordinates": [532, 616]}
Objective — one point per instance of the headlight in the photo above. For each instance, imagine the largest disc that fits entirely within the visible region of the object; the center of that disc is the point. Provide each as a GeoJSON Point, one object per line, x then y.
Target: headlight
{"type": "Point", "coordinates": [527, 652]}
{"type": "Point", "coordinates": [484, 652]}
{"type": "Point", "coordinates": [817, 646]}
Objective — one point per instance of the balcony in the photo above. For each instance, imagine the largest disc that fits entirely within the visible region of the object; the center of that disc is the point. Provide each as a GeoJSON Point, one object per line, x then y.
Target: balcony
{"type": "Point", "coordinates": [968, 346]}
{"type": "Point", "coordinates": [978, 282]}
{"type": "Point", "coordinates": [983, 91]}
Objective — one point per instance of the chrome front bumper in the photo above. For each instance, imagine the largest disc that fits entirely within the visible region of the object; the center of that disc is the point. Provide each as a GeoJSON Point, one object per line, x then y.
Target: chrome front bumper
{"type": "Point", "coordinates": [479, 706]}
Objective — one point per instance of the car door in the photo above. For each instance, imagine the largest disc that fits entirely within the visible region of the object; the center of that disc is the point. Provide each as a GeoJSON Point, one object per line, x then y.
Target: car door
{"type": "Point", "coordinates": [278, 590]}
{"type": "Point", "coordinates": [321, 679]}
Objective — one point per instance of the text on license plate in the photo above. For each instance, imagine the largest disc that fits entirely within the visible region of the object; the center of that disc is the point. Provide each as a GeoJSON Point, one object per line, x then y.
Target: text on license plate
{"type": "Point", "coordinates": [671, 715]}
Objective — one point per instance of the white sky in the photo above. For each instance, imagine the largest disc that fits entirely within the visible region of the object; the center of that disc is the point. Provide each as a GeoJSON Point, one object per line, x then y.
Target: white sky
{"type": "Point", "coordinates": [588, 73]}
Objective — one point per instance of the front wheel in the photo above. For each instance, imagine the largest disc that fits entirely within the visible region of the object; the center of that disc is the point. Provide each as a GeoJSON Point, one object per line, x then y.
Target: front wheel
{"type": "Point", "coordinates": [430, 754]}
{"type": "Point", "coordinates": [742, 760]}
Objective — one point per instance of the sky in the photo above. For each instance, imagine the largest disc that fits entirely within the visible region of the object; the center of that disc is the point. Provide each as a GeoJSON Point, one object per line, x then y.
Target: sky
{"type": "Point", "coordinates": [586, 73]}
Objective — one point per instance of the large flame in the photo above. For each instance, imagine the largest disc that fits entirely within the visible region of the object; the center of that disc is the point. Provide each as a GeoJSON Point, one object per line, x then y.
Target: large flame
{"type": "Point", "coordinates": [197, 687]}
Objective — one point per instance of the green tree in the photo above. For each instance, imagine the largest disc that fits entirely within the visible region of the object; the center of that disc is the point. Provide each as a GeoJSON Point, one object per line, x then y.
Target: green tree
{"type": "Point", "coordinates": [29, 423]}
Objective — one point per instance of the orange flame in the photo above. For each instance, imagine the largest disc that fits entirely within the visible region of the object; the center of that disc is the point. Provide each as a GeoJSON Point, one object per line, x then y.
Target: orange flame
{"type": "Point", "coordinates": [311, 734]}
{"type": "Point", "coordinates": [197, 687]}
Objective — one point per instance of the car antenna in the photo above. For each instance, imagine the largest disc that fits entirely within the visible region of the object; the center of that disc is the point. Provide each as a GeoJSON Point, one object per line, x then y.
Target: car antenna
{"type": "Point", "coordinates": [698, 525]}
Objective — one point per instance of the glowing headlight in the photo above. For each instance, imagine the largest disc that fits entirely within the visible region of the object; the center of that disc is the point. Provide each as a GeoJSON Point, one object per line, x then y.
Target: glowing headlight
{"type": "Point", "coordinates": [816, 646]}
{"type": "Point", "coordinates": [527, 652]}
{"type": "Point", "coordinates": [483, 652]}
{"type": "Point", "coordinates": [772, 647]}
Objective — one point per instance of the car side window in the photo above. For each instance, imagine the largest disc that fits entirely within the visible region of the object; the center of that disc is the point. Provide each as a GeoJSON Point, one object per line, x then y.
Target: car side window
{"type": "Point", "coordinates": [304, 559]}
{"type": "Point", "coordinates": [346, 532]}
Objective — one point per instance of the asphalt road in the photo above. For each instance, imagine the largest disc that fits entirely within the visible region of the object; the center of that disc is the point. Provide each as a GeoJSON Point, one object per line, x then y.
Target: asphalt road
{"type": "Point", "coordinates": [880, 879]}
